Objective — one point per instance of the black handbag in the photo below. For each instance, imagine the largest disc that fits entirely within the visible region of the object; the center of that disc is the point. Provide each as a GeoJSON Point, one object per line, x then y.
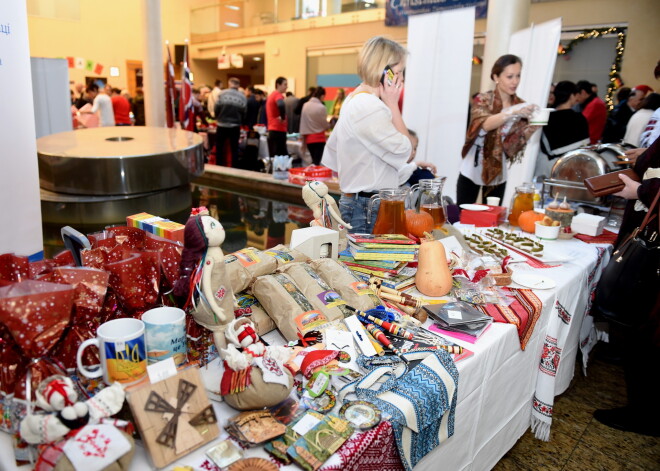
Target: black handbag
{"type": "Point", "coordinates": [629, 285]}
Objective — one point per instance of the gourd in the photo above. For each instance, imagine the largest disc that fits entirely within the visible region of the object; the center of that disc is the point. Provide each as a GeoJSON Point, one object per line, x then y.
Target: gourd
{"type": "Point", "coordinates": [418, 222]}
{"type": "Point", "coordinates": [433, 277]}
{"type": "Point", "coordinates": [527, 219]}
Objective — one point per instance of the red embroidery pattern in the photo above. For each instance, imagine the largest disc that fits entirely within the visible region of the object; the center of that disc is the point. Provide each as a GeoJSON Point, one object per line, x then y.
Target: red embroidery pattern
{"type": "Point", "coordinates": [94, 444]}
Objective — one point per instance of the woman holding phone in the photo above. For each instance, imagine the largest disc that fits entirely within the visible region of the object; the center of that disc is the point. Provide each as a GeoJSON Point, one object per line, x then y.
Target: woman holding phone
{"type": "Point", "coordinates": [370, 147]}
{"type": "Point", "coordinates": [497, 134]}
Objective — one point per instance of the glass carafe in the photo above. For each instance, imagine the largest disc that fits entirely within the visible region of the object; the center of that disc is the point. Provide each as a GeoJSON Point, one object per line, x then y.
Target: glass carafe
{"type": "Point", "coordinates": [391, 215]}
{"type": "Point", "coordinates": [523, 200]}
{"type": "Point", "coordinates": [427, 196]}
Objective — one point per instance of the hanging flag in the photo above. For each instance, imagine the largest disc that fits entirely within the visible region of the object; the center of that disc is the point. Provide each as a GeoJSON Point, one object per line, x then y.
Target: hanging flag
{"type": "Point", "coordinates": [186, 110]}
{"type": "Point", "coordinates": [169, 90]}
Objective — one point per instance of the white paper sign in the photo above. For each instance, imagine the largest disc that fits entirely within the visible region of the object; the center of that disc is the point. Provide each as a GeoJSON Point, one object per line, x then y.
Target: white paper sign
{"type": "Point", "coordinates": [96, 447]}
{"type": "Point", "coordinates": [161, 370]}
{"type": "Point", "coordinates": [305, 424]}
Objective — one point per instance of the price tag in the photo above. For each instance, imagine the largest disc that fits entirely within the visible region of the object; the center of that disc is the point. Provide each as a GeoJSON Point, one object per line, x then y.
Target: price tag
{"type": "Point", "coordinates": [305, 424]}
{"type": "Point", "coordinates": [319, 384]}
{"type": "Point", "coordinates": [161, 370]}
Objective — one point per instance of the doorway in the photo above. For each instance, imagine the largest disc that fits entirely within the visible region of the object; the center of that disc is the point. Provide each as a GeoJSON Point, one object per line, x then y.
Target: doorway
{"type": "Point", "coordinates": [133, 76]}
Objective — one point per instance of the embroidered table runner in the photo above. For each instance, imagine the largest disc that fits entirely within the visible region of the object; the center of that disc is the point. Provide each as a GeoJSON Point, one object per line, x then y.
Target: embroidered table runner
{"type": "Point", "coordinates": [523, 312]}
{"type": "Point", "coordinates": [373, 450]}
{"type": "Point", "coordinates": [606, 237]}
{"type": "Point", "coordinates": [571, 305]}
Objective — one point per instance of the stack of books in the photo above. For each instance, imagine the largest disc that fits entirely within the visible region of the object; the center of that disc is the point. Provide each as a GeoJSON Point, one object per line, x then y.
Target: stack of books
{"type": "Point", "coordinates": [383, 256]}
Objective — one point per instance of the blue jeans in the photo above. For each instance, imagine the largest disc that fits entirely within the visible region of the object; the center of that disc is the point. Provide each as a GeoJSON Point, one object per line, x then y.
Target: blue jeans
{"type": "Point", "coordinates": [354, 211]}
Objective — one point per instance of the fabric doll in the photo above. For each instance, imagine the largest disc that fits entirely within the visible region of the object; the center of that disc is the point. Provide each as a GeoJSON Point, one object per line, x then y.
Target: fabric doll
{"type": "Point", "coordinates": [325, 211]}
{"type": "Point", "coordinates": [57, 395]}
{"type": "Point", "coordinates": [207, 287]}
{"type": "Point", "coordinates": [254, 375]}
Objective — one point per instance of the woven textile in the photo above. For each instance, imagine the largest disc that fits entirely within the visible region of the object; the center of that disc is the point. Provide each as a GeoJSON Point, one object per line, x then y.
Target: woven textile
{"type": "Point", "coordinates": [373, 450]}
{"type": "Point", "coordinates": [572, 305]}
{"type": "Point", "coordinates": [606, 237]}
{"type": "Point", "coordinates": [421, 402]}
{"type": "Point", "coordinates": [523, 312]}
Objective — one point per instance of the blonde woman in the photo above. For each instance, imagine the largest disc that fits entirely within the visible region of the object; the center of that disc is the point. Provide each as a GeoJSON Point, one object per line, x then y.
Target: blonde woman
{"type": "Point", "coordinates": [370, 147]}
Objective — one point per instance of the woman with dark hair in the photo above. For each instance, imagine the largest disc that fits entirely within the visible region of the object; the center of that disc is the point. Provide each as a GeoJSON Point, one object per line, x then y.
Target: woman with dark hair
{"type": "Point", "coordinates": [313, 124]}
{"type": "Point", "coordinates": [640, 119]}
{"type": "Point", "coordinates": [566, 130]}
{"type": "Point", "coordinates": [497, 134]}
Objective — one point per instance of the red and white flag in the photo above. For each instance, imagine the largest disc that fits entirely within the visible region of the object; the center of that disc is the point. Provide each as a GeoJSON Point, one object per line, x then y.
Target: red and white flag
{"type": "Point", "coordinates": [186, 109]}
{"type": "Point", "coordinates": [169, 90]}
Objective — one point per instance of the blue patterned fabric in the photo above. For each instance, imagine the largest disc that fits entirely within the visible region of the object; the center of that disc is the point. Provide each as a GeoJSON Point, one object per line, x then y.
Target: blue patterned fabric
{"type": "Point", "coordinates": [421, 402]}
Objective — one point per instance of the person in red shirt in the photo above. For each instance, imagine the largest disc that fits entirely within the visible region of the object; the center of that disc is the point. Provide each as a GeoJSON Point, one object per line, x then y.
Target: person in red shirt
{"type": "Point", "coordinates": [593, 108]}
{"type": "Point", "coordinates": [122, 108]}
{"type": "Point", "coordinates": [276, 115]}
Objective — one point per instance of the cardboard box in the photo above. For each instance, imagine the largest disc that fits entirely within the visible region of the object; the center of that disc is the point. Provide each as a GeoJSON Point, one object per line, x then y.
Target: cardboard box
{"type": "Point", "coordinates": [157, 225]}
{"type": "Point", "coordinates": [491, 218]}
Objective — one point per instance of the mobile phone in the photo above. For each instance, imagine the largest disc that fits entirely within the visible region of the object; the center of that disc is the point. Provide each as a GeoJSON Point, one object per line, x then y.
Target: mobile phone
{"type": "Point", "coordinates": [388, 74]}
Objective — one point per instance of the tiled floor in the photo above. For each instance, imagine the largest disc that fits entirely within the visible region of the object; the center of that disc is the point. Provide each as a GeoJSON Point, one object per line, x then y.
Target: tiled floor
{"type": "Point", "coordinates": [580, 443]}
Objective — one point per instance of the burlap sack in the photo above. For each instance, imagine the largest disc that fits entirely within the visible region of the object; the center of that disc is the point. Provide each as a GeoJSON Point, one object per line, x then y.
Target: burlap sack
{"type": "Point", "coordinates": [259, 394]}
{"type": "Point", "coordinates": [317, 291]}
{"type": "Point", "coordinates": [354, 291]}
{"type": "Point", "coordinates": [247, 264]}
{"type": "Point", "coordinates": [287, 305]}
{"type": "Point", "coordinates": [248, 306]}
{"type": "Point", "coordinates": [284, 255]}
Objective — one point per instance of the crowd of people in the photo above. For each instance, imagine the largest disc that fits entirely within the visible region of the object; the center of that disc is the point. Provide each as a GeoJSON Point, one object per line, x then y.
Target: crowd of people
{"type": "Point", "coordinates": [114, 107]}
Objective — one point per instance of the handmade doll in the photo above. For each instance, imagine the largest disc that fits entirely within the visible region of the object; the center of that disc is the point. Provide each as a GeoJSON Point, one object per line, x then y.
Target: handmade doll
{"type": "Point", "coordinates": [206, 286]}
{"type": "Point", "coordinates": [254, 375]}
{"type": "Point", "coordinates": [58, 397]}
{"type": "Point", "coordinates": [325, 211]}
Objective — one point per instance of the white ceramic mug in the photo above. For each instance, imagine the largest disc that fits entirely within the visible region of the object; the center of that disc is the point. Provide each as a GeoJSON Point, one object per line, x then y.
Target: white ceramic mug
{"type": "Point", "coordinates": [166, 334]}
{"type": "Point", "coordinates": [493, 200]}
{"type": "Point", "coordinates": [122, 349]}
{"type": "Point", "coordinates": [541, 116]}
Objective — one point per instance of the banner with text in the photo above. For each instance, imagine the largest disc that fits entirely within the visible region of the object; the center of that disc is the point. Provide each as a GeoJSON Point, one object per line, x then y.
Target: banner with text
{"type": "Point", "coordinates": [397, 11]}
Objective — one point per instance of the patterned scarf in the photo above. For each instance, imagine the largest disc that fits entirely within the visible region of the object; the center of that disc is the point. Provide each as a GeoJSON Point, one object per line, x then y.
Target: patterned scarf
{"type": "Point", "coordinates": [512, 145]}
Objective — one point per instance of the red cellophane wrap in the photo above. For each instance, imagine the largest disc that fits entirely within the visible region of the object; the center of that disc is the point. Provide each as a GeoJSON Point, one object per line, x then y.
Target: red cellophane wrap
{"type": "Point", "coordinates": [135, 279]}
{"type": "Point", "coordinates": [12, 365]}
{"type": "Point", "coordinates": [91, 286]}
{"type": "Point", "coordinates": [36, 314]}
{"type": "Point", "coordinates": [13, 268]}
{"type": "Point", "coordinates": [142, 266]}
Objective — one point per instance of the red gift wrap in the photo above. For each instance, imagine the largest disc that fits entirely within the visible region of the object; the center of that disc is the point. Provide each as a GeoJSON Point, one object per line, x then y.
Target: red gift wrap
{"type": "Point", "coordinates": [491, 218]}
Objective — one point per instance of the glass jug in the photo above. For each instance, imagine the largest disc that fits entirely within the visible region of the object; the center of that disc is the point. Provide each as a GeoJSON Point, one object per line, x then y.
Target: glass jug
{"type": "Point", "coordinates": [430, 199]}
{"type": "Point", "coordinates": [391, 215]}
{"type": "Point", "coordinates": [523, 200]}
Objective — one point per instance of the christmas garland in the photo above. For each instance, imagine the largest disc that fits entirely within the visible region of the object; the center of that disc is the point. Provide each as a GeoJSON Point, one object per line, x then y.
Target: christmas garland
{"type": "Point", "coordinates": [615, 81]}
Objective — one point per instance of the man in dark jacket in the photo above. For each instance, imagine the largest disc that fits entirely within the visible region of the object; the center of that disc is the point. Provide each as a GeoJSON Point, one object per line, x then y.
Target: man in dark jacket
{"type": "Point", "coordinates": [230, 112]}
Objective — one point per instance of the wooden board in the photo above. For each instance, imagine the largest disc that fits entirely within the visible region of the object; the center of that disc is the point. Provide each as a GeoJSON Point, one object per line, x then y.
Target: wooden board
{"type": "Point", "coordinates": [151, 424]}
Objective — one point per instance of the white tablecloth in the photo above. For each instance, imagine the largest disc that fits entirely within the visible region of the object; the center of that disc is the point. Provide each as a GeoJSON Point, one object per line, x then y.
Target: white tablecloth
{"type": "Point", "coordinates": [496, 385]}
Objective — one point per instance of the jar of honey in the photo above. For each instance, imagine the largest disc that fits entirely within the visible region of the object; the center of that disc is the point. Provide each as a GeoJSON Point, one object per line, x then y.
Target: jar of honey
{"type": "Point", "coordinates": [523, 200]}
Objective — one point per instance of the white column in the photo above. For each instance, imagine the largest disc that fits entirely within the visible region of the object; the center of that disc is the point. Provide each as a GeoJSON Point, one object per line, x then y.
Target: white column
{"type": "Point", "coordinates": [153, 64]}
{"type": "Point", "coordinates": [505, 17]}
{"type": "Point", "coordinates": [20, 208]}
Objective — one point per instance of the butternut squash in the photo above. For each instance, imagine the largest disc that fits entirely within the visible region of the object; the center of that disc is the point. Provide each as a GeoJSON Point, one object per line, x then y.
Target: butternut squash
{"type": "Point", "coordinates": [433, 277]}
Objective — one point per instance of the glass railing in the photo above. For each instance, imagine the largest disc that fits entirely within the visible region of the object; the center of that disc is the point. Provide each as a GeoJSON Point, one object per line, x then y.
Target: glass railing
{"type": "Point", "coordinates": [227, 15]}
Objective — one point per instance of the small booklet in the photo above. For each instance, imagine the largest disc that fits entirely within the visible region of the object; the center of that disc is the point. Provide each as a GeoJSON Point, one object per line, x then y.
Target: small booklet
{"type": "Point", "coordinates": [460, 317]}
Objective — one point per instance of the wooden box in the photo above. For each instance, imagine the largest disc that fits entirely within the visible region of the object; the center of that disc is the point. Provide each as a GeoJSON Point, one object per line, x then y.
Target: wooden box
{"type": "Point", "coordinates": [174, 416]}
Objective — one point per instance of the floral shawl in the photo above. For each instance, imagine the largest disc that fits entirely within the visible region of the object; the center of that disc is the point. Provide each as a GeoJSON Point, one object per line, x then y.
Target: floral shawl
{"type": "Point", "coordinates": [512, 145]}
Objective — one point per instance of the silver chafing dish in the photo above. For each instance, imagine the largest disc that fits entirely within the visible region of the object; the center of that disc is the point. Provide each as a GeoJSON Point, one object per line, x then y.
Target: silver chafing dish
{"type": "Point", "coordinates": [570, 170]}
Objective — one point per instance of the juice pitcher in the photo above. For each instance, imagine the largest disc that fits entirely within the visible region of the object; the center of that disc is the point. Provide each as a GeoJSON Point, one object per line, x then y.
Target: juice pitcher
{"type": "Point", "coordinates": [523, 200]}
{"type": "Point", "coordinates": [391, 215]}
{"type": "Point", "coordinates": [427, 196]}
